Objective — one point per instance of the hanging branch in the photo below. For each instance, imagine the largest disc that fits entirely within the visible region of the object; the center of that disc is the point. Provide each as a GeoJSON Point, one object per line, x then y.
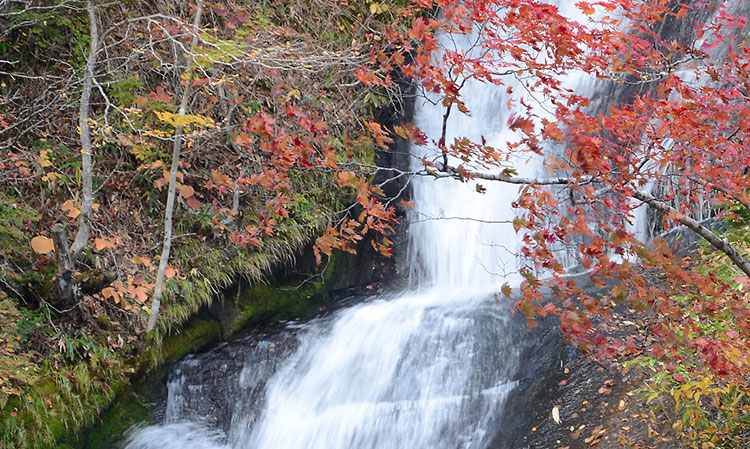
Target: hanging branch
{"type": "Point", "coordinates": [722, 245]}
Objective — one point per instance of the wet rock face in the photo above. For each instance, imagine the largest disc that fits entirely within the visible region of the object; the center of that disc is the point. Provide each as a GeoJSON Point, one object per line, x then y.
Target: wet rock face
{"type": "Point", "coordinates": [536, 384]}
{"type": "Point", "coordinates": [204, 387]}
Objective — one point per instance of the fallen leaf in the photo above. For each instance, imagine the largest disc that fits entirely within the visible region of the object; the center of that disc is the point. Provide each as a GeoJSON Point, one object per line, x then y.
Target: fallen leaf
{"type": "Point", "coordinates": [142, 260]}
{"type": "Point", "coordinates": [193, 203]}
{"type": "Point", "coordinates": [100, 244]}
{"type": "Point", "coordinates": [71, 210]}
{"type": "Point", "coordinates": [42, 245]}
{"type": "Point", "coordinates": [556, 413]}
{"type": "Point", "coordinates": [186, 191]}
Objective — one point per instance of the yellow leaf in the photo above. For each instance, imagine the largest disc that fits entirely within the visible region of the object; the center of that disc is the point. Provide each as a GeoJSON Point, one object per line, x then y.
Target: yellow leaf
{"type": "Point", "coordinates": [70, 209]}
{"type": "Point", "coordinates": [43, 158]}
{"type": "Point", "coordinates": [51, 176]}
{"type": "Point", "coordinates": [42, 245]}
{"type": "Point", "coordinates": [184, 120]}
{"type": "Point", "coordinates": [377, 8]}
{"type": "Point", "coordinates": [294, 93]}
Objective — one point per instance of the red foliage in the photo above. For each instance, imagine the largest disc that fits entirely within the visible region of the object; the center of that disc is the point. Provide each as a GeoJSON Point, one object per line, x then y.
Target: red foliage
{"type": "Point", "coordinates": [684, 136]}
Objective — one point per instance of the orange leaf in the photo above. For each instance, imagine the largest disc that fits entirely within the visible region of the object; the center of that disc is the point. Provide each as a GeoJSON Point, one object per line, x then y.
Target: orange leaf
{"type": "Point", "coordinates": [140, 294]}
{"type": "Point", "coordinates": [347, 179]}
{"type": "Point", "coordinates": [507, 290]}
{"type": "Point", "coordinates": [100, 244]}
{"type": "Point", "coordinates": [110, 292]}
{"type": "Point", "coordinates": [161, 182]}
{"type": "Point", "coordinates": [586, 8]}
{"type": "Point", "coordinates": [142, 260]}
{"type": "Point", "coordinates": [531, 324]}
{"type": "Point", "coordinates": [524, 124]}
{"type": "Point", "coordinates": [42, 245]}
{"type": "Point", "coordinates": [553, 132]}
{"type": "Point", "coordinates": [186, 191]}
{"type": "Point", "coordinates": [170, 272]}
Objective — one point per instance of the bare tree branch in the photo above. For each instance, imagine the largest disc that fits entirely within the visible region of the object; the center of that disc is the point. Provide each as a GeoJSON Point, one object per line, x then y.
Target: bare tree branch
{"type": "Point", "coordinates": [718, 243]}
{"type": "Point", "coordinates": [446, 171]}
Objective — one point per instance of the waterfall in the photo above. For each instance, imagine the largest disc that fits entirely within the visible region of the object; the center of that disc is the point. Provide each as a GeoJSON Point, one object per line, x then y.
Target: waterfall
{"type": "Point", "coordinates": [428, 368]}
{"type": "Point", "coordinates": [461, 239]}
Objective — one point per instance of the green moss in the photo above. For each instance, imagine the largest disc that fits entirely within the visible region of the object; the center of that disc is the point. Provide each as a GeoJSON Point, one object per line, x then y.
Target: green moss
{"type": "Point", "coordinates": [214, 267]}
{"type": "Point", "coordinates": [131, 409]}
{"type": "Point", "coordinates": [55, 408]}
{"type": "Point", "coordinates": [197, 333]}
{"type": "Point", "coordinates": [266, 304]}
{"type": "Point", "coordinates": [241, 307]}
{"type": "Point", "coordinates": [15, 217]}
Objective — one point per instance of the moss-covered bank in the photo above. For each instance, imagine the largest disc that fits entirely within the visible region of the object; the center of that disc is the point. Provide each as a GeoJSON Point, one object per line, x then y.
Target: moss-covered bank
{"type": "Point", "coordinates": [236, 308]}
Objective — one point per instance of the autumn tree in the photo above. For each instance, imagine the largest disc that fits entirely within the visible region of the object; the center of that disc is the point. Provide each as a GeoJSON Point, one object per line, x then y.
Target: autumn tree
{"type": "Point", "coordinates": [275, 152]}
{"type": "Point", "coordinates": [673, 139]}
{"type": "Point", "coordinates": [267, 114]}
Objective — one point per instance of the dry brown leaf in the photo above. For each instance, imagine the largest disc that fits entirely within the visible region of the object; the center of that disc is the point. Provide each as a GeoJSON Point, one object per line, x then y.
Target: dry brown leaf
{"type": "Point", "coordinates": [71, 209]}
{"type": "Point", "coordinates": [142, 260]}
{"type": "Point", "coordinates": [42, 245]}
{"type": "Point", "coordinates": [186, 191]}
{"type": "Point", "coordinates": [100, 244]}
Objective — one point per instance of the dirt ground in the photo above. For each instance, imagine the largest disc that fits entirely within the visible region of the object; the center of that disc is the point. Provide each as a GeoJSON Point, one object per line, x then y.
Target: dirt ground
{"type": "Point", "coordinates": [597, 405]}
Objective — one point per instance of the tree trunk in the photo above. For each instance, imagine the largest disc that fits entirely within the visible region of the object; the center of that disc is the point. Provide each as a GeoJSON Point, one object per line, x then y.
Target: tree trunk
{"type": "Point", "coordinates": [171, 191]}
{"type": "Point", "coordinates": [63, 291]}
{"type": "Point", "coordinates": [84, 220]}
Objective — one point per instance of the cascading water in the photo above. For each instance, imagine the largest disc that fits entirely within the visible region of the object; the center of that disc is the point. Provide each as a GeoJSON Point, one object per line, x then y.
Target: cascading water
{"type": "Point", "coordinates": [429, 368]}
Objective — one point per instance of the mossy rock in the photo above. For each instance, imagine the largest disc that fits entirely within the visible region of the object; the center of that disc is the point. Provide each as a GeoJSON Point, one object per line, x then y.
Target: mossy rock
{"type": "Point", "coordinates": [263, 304]}
{"type": "Point", "coordinates": [197, 333]}
{"type": "Point", "coordinates": [131, 409]}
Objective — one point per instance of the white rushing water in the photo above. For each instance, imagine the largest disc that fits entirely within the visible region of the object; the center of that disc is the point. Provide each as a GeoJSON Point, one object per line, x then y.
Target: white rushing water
{"type": "Point", "coordinates": [429, 368]}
